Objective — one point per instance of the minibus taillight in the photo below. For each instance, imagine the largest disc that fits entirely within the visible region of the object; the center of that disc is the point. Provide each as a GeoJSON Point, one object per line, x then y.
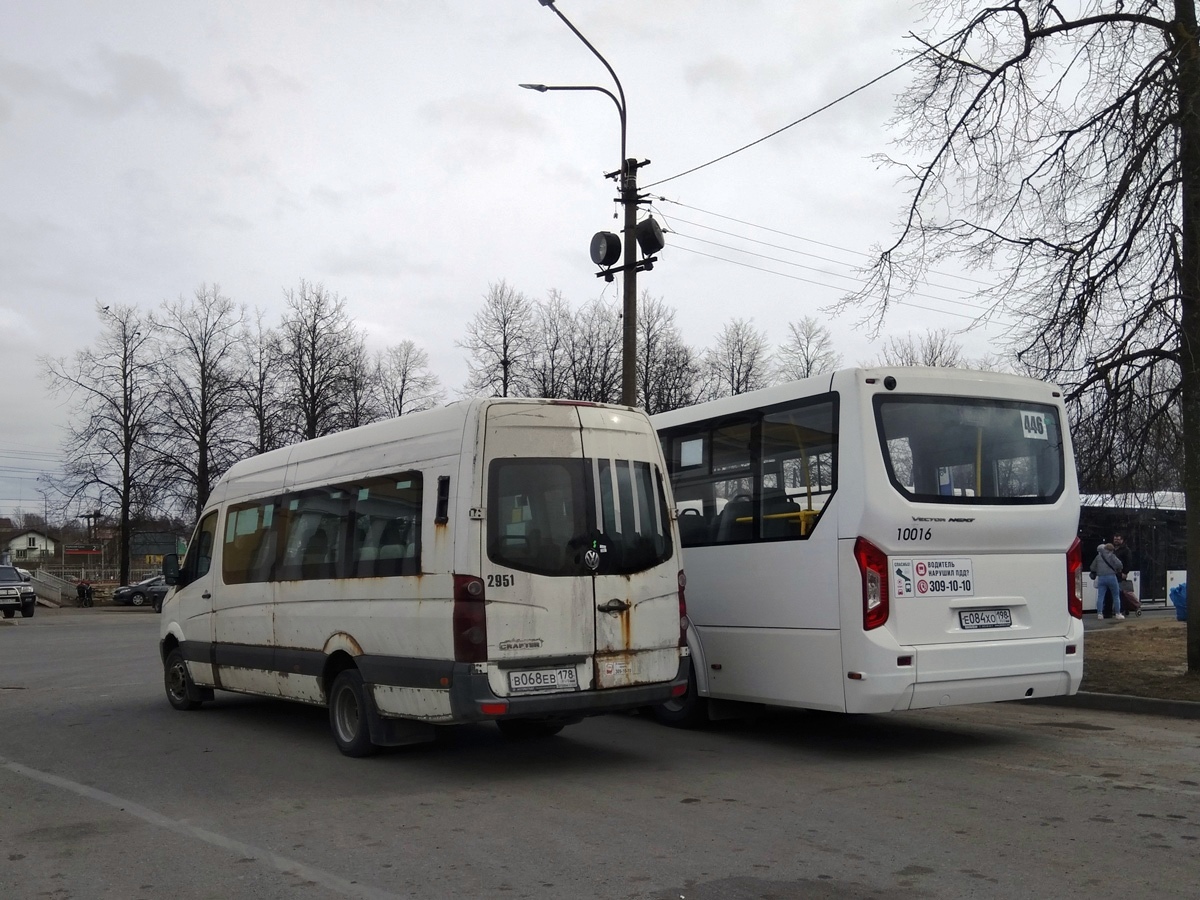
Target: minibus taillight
{"type": "Point", "coordinates": [683, 619]}
{"type": "Point", "coordinates": [1074, 567]}
{"type": "Point", "coordinates": [872, 565]}
{"type": "Point", "coordinates": [469, 620]}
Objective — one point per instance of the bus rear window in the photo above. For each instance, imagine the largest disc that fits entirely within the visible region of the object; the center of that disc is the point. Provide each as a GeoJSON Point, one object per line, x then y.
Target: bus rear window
{"type": "Point", "coordinates": [967, 450]}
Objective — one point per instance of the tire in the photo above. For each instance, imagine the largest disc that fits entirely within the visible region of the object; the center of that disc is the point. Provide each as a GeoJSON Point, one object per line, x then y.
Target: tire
{"type": "Point", "coordinates": [180, 689]}
{"type": "Point", "coordinates": [688, 711]}
{"type": "Point", "coordinates": [528, 729]}
{"type": "Point", "coordinates": [9, 613]}
{"type": "Point", "coordinates": [348, 715]}
{"type": "Point", "coordinates": [27, 610]}
{"type": "Point", "coordinates": [137, 599]}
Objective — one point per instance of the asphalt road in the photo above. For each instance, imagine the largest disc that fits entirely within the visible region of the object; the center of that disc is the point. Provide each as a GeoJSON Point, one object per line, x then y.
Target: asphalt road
{"type": "Point", "coordinates": [106, 792]}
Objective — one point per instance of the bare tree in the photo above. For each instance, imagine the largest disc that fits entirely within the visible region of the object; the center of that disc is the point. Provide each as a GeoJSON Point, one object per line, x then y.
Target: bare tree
{"type": "Point", "coordinates": [109, 453]}
{"type": "Point", "coordinates": [740, 361]}
{"type": "Point", "coordinates": [405, 383]}
{"type": "Point", "coordinates": [201, 404]}
{"type": "Point", "coordinates": [807, 351]}
{"type": "Point", "coordinates": [594, 353]}
{"type": "Point", "coordinates": [319, 348]}
{"type": "Point", "coordinates": [499, 340]}
{"type": "Point", "coordinates": [1061, 148]}
{"type": "Point", "coordinates": [550, 367]}
{"type": "Point", "coordinates": [362, 402]}
{"type": "Point", "coordinates": [933, 348]}
{"type": "Point", "coordinates": [668, 370]}
{"type": "Point", "coordinates": [261, 388]}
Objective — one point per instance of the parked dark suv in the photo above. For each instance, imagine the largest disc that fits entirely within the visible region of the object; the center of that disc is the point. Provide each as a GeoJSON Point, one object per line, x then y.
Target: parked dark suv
{"type": "Point", "coordinates": [15, 593]}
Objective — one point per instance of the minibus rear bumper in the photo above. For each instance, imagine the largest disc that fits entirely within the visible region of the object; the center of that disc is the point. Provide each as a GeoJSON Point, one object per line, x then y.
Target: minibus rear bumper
{"type": "Point", "coordinates": [472, 698]}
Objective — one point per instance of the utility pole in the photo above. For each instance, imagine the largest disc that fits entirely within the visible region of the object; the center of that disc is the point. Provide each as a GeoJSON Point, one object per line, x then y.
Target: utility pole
{"type": "Point", "coordinates": [629, 198]}
{"type": "Point", "coordinates": [603, 253]}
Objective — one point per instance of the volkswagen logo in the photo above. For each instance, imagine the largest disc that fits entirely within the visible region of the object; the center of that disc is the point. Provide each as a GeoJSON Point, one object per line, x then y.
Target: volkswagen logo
{"type": "Point", "coordinates": [591, 559]}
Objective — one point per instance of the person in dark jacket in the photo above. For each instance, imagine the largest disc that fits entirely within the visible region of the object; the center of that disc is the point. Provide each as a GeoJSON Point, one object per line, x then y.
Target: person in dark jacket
{"type": "Point", "coordinates": [1122, 552]}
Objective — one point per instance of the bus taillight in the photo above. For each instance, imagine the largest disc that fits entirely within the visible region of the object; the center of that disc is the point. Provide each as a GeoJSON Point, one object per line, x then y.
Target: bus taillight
{"type": "Point", "coordinates": [469, 620]}
{"type": "Point", "coordinates": [1074, 567]}
{"type": "Point", "coordinates": [872, 565]}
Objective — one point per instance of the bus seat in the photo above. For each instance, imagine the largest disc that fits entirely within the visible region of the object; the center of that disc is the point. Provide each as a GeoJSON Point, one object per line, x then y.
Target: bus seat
{"type": "Point", "coordinates": [781, 514]}
{"type": "Point", "coordinates": [729, 528]}
{"type": "Point", "coordinates": [694, 529]}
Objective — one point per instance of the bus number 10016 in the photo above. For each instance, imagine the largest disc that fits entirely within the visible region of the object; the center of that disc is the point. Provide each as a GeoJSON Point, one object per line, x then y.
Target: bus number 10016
{"type": "Point", "coordinates": [914, 534]}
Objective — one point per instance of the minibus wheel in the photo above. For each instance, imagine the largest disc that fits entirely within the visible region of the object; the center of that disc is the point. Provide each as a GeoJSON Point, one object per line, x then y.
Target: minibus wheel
{"type": "Point", "coordinates": [180, 690]}
{"type": "Point", "coordinates": [527, 729]}
{"type": "Point", "coordinates": [348, 715]}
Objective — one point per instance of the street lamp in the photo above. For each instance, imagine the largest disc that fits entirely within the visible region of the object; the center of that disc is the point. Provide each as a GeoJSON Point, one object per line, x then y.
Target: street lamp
{"type": "Point", "coordinates": [651, 240]}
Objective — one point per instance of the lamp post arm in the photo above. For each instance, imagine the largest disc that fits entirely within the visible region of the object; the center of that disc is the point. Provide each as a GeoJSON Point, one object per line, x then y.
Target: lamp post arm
{"type": "Point", "coordinates": [596, 53]}
{"type": "Point", "coordinates": [542, 88]}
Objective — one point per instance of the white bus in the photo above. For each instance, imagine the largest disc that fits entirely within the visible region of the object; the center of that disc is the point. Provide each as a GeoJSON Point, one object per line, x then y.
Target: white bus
{"type": "Point", "coordinates": [506, 560]}
{"type": "Point", "coordinates": [877, 539]}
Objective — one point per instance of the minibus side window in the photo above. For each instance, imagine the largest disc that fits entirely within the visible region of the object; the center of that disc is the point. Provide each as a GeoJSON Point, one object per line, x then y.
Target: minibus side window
{"type": "Point", "coordinates": [314, 534]}
{"type": "Point", "coordinates": [250, 542]}
{"type": "Point", "coordinates": [387, 526]}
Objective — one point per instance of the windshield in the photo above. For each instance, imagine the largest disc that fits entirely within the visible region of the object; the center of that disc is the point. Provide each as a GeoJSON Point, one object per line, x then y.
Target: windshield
{"type": "Point", "coordinates": [965, 450]}
{"type": "Point", "coordinates": [8, 573]}
{"type": "Point", "coordinates": [544, 513]}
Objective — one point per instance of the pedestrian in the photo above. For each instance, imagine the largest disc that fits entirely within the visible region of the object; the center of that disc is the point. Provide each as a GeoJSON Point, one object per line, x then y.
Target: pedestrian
{"type": "Point", "coordinates": [1125, 555]}
{"type": "Point", "coordinates": [1106, 568]}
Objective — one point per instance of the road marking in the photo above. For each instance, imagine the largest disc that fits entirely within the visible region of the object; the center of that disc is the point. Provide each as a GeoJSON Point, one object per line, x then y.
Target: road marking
{"type": "Point", "coordinates": [282, 863]}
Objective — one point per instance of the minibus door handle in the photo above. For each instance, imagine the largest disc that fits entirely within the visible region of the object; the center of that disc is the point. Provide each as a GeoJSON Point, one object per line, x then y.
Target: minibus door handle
{"type": "Point", "coordinates": [206, 596]}
{"type": "Point", "coordinates": [615, 605]}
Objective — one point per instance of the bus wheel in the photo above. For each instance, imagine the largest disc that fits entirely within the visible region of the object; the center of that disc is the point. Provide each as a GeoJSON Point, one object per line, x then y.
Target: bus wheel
{"type": "Point", "coordinates": [348, 715]}
{"type": "Point", "coordinates": [688, 711]}
{"type": "Point", "coordinates": [527, 729]}
{"type": "Point", "coordinates": [180, 689]}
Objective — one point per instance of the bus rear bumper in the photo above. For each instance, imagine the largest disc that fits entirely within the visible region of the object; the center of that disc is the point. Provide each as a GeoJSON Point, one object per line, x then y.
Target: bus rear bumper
{"type": "Point", "coordinates": [977, 672]}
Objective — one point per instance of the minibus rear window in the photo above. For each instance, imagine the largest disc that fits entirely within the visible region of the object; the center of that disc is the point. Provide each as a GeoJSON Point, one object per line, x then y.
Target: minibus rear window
{"type": "Point", "coordinates": [963, 450]}
{"type": "Point", "coordinates": [543, 514]}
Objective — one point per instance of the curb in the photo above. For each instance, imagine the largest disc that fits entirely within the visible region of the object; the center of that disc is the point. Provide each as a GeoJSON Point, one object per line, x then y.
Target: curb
{"type": "Point", "coordinates": [1148, 706]}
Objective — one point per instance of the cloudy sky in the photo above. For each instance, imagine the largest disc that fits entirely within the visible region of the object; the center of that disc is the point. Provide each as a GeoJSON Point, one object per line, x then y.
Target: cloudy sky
{"type": "Point", "coordinates": [385, 150]}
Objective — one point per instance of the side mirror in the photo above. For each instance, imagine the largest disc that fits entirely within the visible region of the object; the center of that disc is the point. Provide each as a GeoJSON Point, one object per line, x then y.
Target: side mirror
{"type": "Point", "coordinates": [170, 568]}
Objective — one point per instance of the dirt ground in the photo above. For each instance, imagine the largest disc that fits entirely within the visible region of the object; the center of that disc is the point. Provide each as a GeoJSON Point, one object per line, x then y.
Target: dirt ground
{"type": "Point", "coordinates": [1145, 657]}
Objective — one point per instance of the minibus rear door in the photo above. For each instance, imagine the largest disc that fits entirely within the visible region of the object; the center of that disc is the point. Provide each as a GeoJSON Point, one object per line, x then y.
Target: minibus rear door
{"type": "Point", "coordinates": [636, 573]}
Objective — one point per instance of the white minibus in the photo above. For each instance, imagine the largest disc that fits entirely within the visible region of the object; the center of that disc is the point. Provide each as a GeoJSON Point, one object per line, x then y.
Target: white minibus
{"type": "Point", "coordinates": [500, 559]}
{"type": "Point", "coordinates": [877, 539]}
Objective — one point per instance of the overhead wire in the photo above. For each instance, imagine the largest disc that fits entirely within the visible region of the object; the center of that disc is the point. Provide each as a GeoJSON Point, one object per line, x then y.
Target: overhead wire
{"type": "Point", "coordinates": [809, 240]}
{"type": "Point", "coordinates": [804, 118]}
{"type": "Point", "coordinates": [904, 303]}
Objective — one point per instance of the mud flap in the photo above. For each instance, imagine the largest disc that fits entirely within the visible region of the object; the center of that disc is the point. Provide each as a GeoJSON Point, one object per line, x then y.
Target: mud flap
{"type": "Point", "coordinates": [392, 732]}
